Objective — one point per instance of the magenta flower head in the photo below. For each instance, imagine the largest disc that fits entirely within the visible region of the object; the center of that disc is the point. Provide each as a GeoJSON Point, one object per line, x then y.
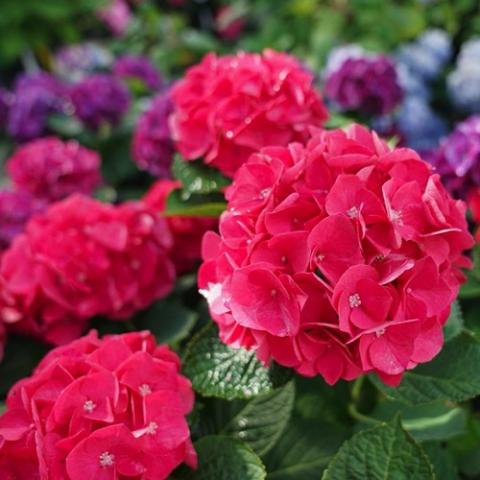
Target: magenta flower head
{"type": "Point", "coordinates": [152, 147]}
{"type": "Point", "coordinates": [83, 258]}
{"type": "Point", "coordinates": [35, 98]}
{"type": "Point", "coordinates": [338, 258]}
{"type": "Point", "coordinates": [100, 99]}
{"type": "Point", "coordinates": [52, 169]}
{"type": "Point", "coordinates": [366, 83]}
{"type": "Point", "coordinates": [457, 159]}
{"type": "Point", "coordinates": [138, 67]}
{"type": "Point", "coordinates": [99, 408]}
{"type": "Point", "coordinates": [16, 207]}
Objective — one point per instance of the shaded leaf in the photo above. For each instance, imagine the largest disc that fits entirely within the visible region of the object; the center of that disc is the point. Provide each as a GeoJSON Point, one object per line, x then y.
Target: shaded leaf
{"type": "Point", "coordinates": [382, 452]}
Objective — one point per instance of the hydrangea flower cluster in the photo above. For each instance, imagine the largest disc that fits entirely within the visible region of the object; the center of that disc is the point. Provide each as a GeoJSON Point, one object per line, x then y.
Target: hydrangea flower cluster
{"type": "Point", "coordinates": [152, 145]}
{"type": "Point", "coordinates": [457, 159]}
{"type": "Point", "coordinates": [80, 259]}
{"type": "Point", "coordinates": [226, 108]}
{"type": "Point", "coordinates": [74, 62]}
{"type": "Point", "coordinates": [337, 258]}
{"type": "Point", "coordinates": [463, 82]}
{"type": "Point", "coordinates": [16, 207]}
{"type": "Point", "coordinates": [418, 63]}
{"type": "Point", "coordinates": [51, 169]}
{"type": "Point", "coordinates": [187, 231]}
{"type": "Point", "coordinates": [116, 15]}
{"type": "Point", "coordinates": [35, 97]}
{"type": "Point", "coordinates": [138, 67]}
{"type": "Point", "coordinates": [427, 56]}
{"type": "Point", "coordinates": [360, 81]}
{"type": "Point", "coordinates": [100, 98]}
{"type": "Point", "coordinates": [99, 408]}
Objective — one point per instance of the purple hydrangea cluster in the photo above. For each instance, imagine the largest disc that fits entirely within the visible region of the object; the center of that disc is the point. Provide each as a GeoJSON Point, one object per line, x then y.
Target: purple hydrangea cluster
{"type": "Point", "coordinates": [35, 98]}
{"type": "Point", "coordinates": [152, 147]}
{"type": "Point", "coordinates": [457, 159]}
{"type": "Point", "coordinates": [75, 62]}
{"type": "Point", "coordinates": [16, 207]}
{"type": "Point", "coordinates": [100, 99]}
{"type": "Point", "coordinates": [363, 82]}
{"type": "Point", "coordinates": [138, 67]}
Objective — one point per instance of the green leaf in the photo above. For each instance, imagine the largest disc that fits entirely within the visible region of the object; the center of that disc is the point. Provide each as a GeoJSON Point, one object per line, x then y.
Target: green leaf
{"type": "Point", "coordinates": [263, 419]}
{"type": "Point", "coordinates": [194, 205]}
{"type": "Point", "coordinates": [223, 458]}
{"type": "Point", "coordinates": [470, 289]}
{"type": "Point", "coordinates": [196, 177]}
{"type": "Point", "coordinates": [454, 374]}
{"type": "Point", "coordinates": [304, 450]}
{"type": "Point", "coordinates": [454, 325]}
{"type": "Point", "coordinates": [217, 370]}
{"type": "Point", "coordinates": [386, 451]}
{"type": "Point", "coordinates": [431, 421]}
{"type": "Point", "coordinates": [168, 320]}
{"type": "Point", "coordinates": [22, 355]}
{"type": "Point", "coordinates": [442, 460]}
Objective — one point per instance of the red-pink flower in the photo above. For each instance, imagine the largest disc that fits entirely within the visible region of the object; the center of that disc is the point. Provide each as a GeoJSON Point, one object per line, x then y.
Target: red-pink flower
{"type": "Point", "coordinates": [111, 408]}
{"type": "Point", "coordinates": [52, 169]}
{"type": "Point", "coordinates": [226, 108]}
{"type": "Point", "coordinates": [80, 259]}
{"type": "Point", "coordinates": [187, 232]}
{"type": "Point", "coordinates": [337, 258]}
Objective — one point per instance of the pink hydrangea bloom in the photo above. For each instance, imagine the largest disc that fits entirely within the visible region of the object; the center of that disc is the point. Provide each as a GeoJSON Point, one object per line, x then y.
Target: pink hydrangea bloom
{"type": "Point", "coordinates": [80, 259]}
{"type": "Point", "coordinates": [51, 169]}
{"type": "Point", "coordinates": [226, 108]}
{"type": "Point", "coordinates": [337, 258]}
{"type": "Point", "coordinates": [110, 408]}
{"type": "Point", "coordinates": [187, 231]}
{"type": "Point", "coordinates": [116, 16]}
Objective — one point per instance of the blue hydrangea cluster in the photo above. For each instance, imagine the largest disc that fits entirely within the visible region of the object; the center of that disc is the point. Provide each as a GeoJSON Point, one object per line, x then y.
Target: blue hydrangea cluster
{"type": "Point", "coordinates": [463, 83]}
{"type": "Point", "coordinates": [418, 64]}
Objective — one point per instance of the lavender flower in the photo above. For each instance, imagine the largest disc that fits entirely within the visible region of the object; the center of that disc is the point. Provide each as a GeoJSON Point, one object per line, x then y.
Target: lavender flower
{"type": "Point", "coordinates": [152, 147]}
{"type": "Point", "coordinates": [16, 207]}
{"type": "Point", "coordinates": [35, 98]}
{"type": "Point", "coordinates": [458, 158]}
{"type": "Point", "coordinates": [132, 66]}
{"type": "Point", "coordinates": [364, 82]}
{"type": "Point", "coordinates": [100, 99]}
{"type": "Point", "coordinates": [74, 62]}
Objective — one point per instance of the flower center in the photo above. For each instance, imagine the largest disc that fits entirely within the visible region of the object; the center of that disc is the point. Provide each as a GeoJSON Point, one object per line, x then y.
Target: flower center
{"type": "Point", "coordinates": [283, 259]}
{"type": "Point", "coordinates": [353, 212]}
{"type": "Point", "coordinates": [354, 300]}
{"type": "Point", "coordinates": [273, 292]}
{"type": "Point", "coordinates": [106, 459]}
{"type": "Point", "coordinates": [395, 216]}
{"type": "Point", "coordinates": [380, 332]}
{"type": "Point", "coordinates": [89, 406]}
{"type": "Point", "coordinates": [152, 428]}
{"type": "Point", "coordinates": [144, 389]}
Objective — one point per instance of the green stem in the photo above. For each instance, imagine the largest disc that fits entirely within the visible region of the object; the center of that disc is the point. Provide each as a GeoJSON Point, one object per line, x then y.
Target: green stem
{"type": "Point", "coordinates": [355, 414]}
